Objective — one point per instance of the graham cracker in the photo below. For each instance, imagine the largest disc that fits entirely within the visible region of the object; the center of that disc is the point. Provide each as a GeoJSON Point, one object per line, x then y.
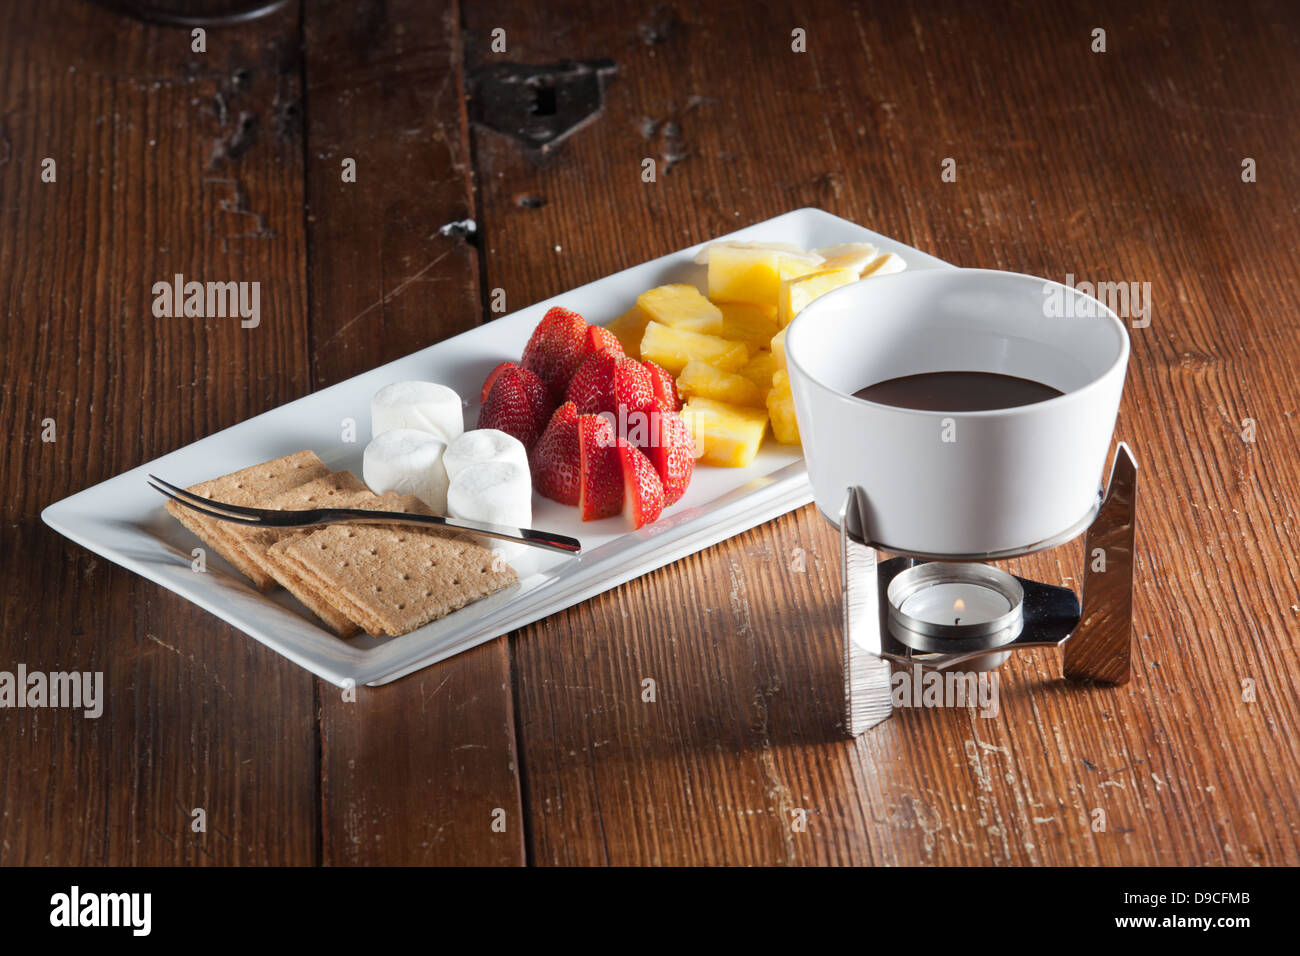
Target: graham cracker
{"type": "Point", "coordinates": [342, 602]}
{"type": "Point", "coordinates": [248, 487]}
{"type": "Point", "coordinates": [306, 578]}
{"type": "Point", "coordinates": [309, 580]}
{"type": "Point", "coordinates": [340, 490]}
{"type": "Point", "coordinates": [395, 578]}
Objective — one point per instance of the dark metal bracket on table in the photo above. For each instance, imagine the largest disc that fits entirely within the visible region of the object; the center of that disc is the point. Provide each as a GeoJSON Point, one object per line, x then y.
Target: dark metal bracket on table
{"type": "Point", "coordinates": [539, 105]}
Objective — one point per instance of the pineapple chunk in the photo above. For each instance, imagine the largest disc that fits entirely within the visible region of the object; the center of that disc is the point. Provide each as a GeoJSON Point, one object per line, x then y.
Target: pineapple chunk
{"type": "Point", "coordinates": [725, 434]}
{"type": "Point", "coordinates": [743, 274]}
{"type": "Point", "coordinates": [702, 257]}
{"type": "Point", "coordinates": [759, 370]}
{"type": "Point", "coordinates": [681, 306]}
{"type": "Point", "coordinates": [697, 378]}
{"type": "Point", "coordinates": [628, 329]}
{"type": "Point", "coordinates": [780, 407]}
{"type": "Point", "coordinates": [797, 293]}
{"type": "Point", "coordinates": [752, 272]}
{"type": "Point", "coordinates": [792, 267]}
{"type": "Point", "coordinates": [673, 348]}
{"type": "Point", "coordinates": [849, 255]}
{"type": "Point", "coordinates": [886, 264]}
{"type": "Point", "coordinates": [778, 348]}
{"type": "Point", "coordinates": [752, 324]}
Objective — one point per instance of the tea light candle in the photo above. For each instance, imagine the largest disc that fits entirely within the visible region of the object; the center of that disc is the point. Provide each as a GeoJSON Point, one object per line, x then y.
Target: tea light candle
{"type": "Point", "coordinates": [943, 606]}
{"type": "Point", "coordinates": [956, 604]}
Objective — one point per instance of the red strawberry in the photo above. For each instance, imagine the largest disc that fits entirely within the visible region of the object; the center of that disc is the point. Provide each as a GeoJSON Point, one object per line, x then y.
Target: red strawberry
{"type": "Point", "coordinates": [556, 349]}
{"type": "Point", "coordinates": [672, 451]}
{"type": "Point", "coordinates": [556, 460]}
{"type": "Point", "coordinates": [492, 377]}
{"type": "Point", "coordinates": [643, 492]}
{"type": "Point", "coordinates": [664, 386]}
{"type": "Point", "coordinates": [600, 478]}
{"type": "Point", "coordinates": [607, 382]}
{"type": "Point", "coordinates": [599, 337]}
{"type": "Point", "coordinates": [518, 404]}
{"type": "Point", "coordinates": [633, 387]}
{"type": "Point", "coordinates": [592, 385]}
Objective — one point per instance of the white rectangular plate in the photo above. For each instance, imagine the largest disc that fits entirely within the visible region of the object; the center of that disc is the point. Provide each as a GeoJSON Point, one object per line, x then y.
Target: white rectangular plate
{"type": "Point", "coordinates": [123, 519]}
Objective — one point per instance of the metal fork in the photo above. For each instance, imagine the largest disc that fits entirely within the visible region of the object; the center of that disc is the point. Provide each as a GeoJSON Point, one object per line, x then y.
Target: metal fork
{"type": "Point", "coordinates": [269, 518]}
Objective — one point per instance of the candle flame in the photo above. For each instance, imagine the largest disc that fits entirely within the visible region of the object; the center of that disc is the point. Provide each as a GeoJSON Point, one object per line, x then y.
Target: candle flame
{"type": "Point", "coordinates": [959, 605]}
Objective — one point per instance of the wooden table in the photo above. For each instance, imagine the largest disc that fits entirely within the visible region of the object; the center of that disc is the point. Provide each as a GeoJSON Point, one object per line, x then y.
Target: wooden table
{"type": "Point", "coordinates": [1123, 165]}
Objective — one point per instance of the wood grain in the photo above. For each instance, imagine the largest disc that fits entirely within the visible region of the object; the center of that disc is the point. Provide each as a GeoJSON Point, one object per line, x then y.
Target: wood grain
{"type": "Point", "coordinates": [1117, 166]}
{"type": "Point", "coordinates": [196, 715]}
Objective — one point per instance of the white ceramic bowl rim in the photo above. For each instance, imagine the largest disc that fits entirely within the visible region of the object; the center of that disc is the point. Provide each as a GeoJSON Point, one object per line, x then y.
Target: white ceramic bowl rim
{"type": "Point", "coordinates": [1095, 382]}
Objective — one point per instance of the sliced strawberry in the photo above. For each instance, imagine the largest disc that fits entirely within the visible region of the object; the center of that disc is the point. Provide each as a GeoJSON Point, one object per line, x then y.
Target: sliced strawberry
{"type": "Point", "coordinates": [599, 337]}
{"type": "Point", "coordinates": [633, 387]}
{"type": "Point", "coordinates": [518, 404]}
{"type": "Point", "coordinates": [592, 385]}
{"type": "Point", "coordinates": [600, 480]}
{"type": "Point", "coordinates": [492, 377]}
{"type": "Point", "coordinates": [664, 386]}
{"type": "Point", "coordinates": [643, 491]}
{"type": "Point", "coordinates": [556, 349]}
{"type": "Point", "coordinates": [556, 460]}
{"type": "Point", "coordinates": [608, 382]}
{"type": "Point", "coordinates": [672, 451]}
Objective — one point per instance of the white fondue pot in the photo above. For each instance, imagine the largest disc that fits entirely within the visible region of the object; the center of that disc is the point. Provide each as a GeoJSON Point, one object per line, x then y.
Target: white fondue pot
{"type": "Point", "coordinates": [936, 483]}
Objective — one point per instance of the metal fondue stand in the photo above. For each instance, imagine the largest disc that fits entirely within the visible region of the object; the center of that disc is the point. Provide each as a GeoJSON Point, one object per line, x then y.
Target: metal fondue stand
{"type": "Point", "coordinates": [1097, 637]}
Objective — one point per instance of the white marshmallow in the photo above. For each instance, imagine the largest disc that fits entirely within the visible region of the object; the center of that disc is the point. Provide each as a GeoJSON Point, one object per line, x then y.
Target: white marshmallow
{"type": "Point", "coordinates": [483, 444]}
{"type": "Point", "coordinates": [497, 492]}
{"type": "Point", "coordinates": [408, 462]}
{"type": "Point", "coordinates": [424, 406]}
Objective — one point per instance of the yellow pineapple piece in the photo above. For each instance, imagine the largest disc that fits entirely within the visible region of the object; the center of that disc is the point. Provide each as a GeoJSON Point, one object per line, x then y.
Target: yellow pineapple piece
{"type": "Point", "coordinates": [698, 378]}
{"type": "Point", "coordinates": [752, 272]}
{"type": "Point", "coordinates": [681, 306]}
{"type": "Point", "coordinates": [725, 434]}
{"type": "Point", "coordinates": [780, 408]}
{"type": "Point", "coordinates": [673, 348]}
{"type": "Point", "coordinates": [886, 264]}
{"type": "Point", "coordinates": [743, 274]}
{"type": "Point", "coordinates": [792, 267]}
{"type": "Point", "coordinates": [797, 293]}
{"type": "Point", "coordinates": [759, 370]}
{"type": "Point", "coordinates": [848, 255]}
{"type": "Point", "coordinates": [752, 324]}
{"type": "Point", "coordinates": [778, 348]}
{"type": "Point", "coordinates": [628, 329]}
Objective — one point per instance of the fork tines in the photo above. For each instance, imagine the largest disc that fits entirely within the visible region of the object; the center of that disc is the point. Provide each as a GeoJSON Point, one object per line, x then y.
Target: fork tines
{"type": "Point", "coordinates": [205, 506]}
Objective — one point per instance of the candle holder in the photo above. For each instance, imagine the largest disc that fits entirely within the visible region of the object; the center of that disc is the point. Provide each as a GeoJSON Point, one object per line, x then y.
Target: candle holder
{"type": "Point", "coordinates": [938, 611]}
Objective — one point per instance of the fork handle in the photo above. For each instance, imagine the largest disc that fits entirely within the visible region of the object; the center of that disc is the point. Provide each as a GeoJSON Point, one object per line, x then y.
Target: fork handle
{"type": "Point", "coordinates": [547, 540]}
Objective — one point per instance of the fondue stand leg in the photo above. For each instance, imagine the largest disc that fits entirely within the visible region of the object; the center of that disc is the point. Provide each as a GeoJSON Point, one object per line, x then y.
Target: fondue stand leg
{"type": "Point", "coordinates": [867, 687]}
{"type": "Point", "coordinates": [1100, 648]}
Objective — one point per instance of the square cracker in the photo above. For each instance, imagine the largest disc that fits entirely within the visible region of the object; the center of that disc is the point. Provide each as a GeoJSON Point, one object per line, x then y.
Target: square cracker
{"type": "Point", "coordinates": [247, 487]}
{"type": "Point", "coordinates": [340, 490]}
{"type": "Point", "coordinates": [308, 579]}
{"type": "Point", "coordinates": [396, 578]}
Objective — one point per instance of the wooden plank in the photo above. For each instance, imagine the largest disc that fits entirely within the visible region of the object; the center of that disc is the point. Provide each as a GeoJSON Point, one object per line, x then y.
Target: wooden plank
{"type": "Point", "coordinates": [1116, 166]}
{"type": "Point", "coordinates": [418, 771]}
{"type": "Point", "coordinates": [168, 161]}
